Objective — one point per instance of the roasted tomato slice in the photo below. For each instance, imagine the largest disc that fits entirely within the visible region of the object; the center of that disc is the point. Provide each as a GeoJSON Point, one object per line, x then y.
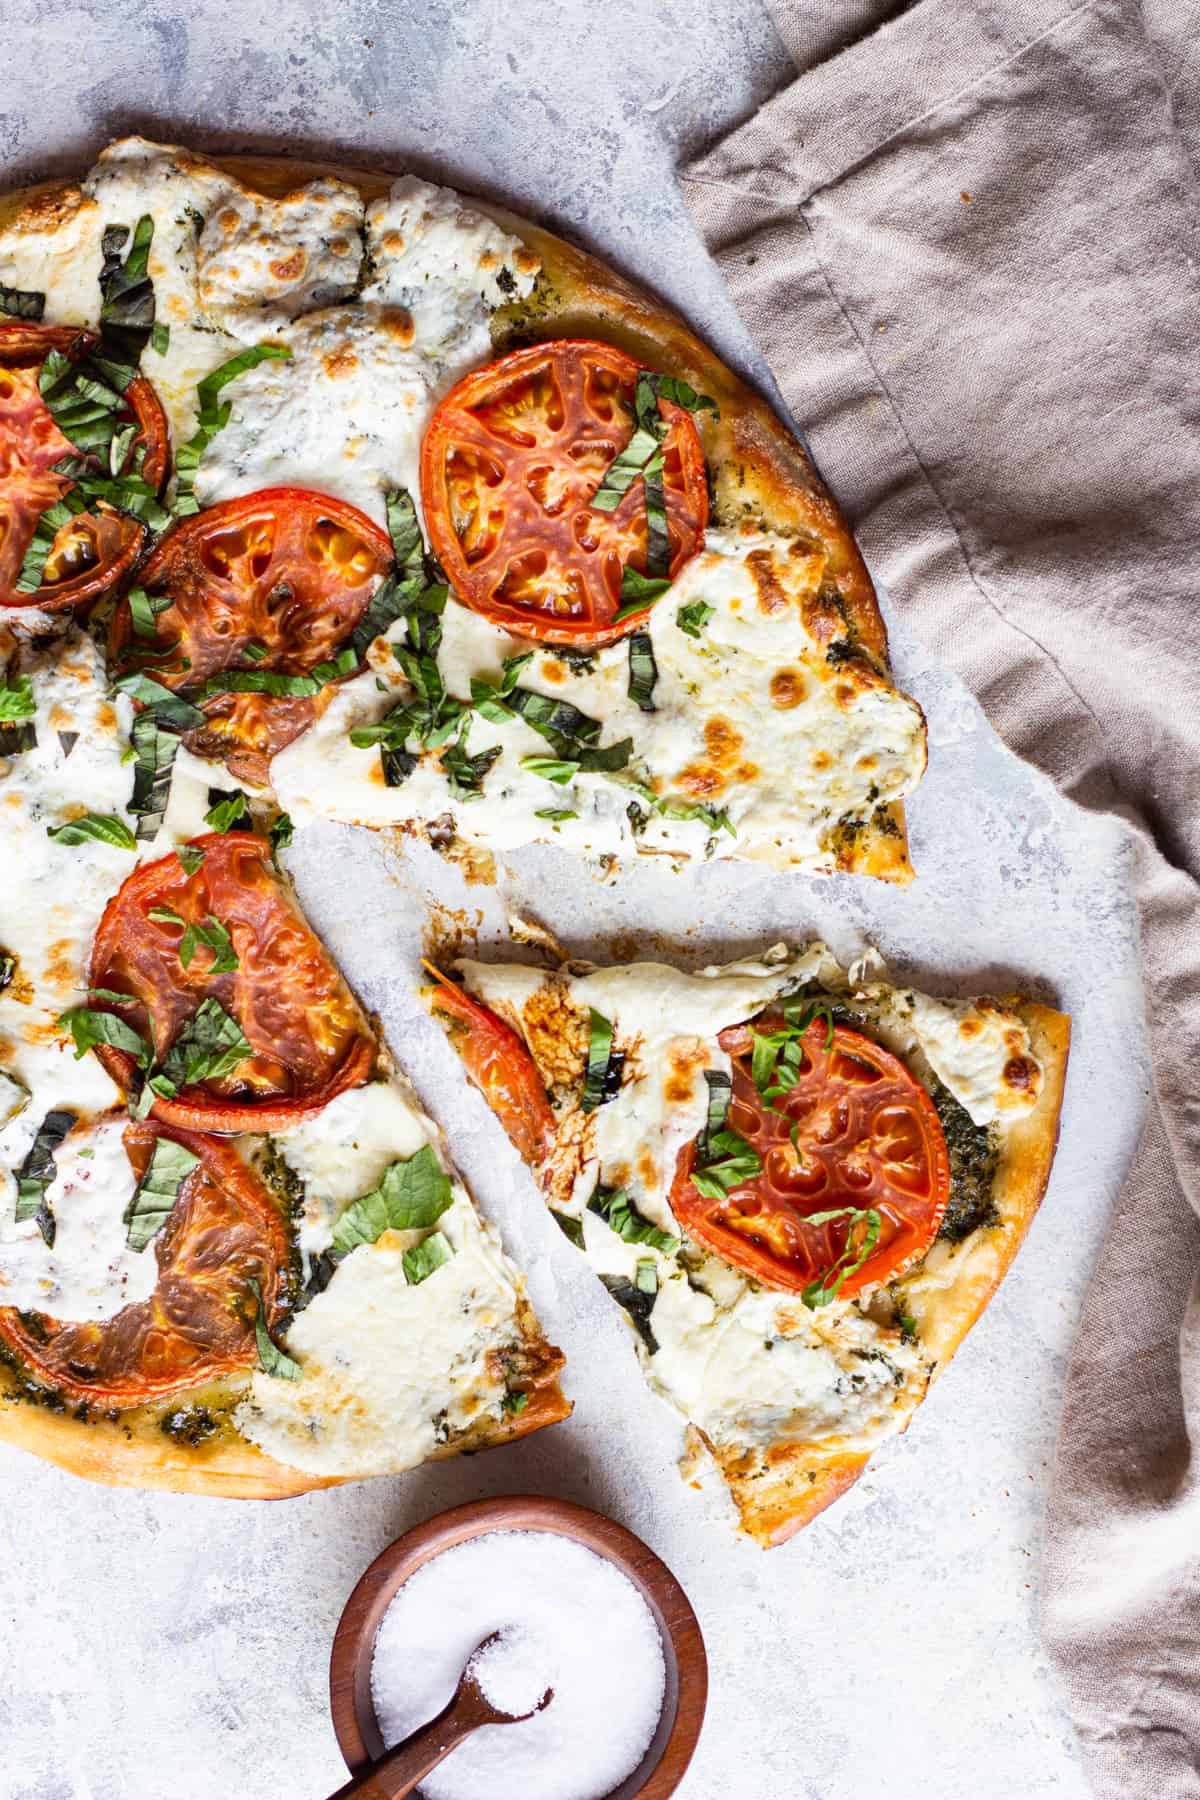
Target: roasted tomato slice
{"type": "Point", "coordinates": [308, 1038]}
{"type": "Point", "coordinates": [272, 584]}
{"type": "Point", "coordinates": [856, 1137]}
{"type": "Point", "coordinates": [94, 549]}
{"type": "Point", "coordinates": [223, 1232]}
{"type": "Point", "coordinates": [501, 1068]}
{"type": "Point", "coordinates": [510, 464]}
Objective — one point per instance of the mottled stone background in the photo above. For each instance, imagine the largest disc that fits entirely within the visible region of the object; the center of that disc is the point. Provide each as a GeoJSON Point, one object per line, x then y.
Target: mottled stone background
{"type": "Point", "coordinates": [154, 1644]}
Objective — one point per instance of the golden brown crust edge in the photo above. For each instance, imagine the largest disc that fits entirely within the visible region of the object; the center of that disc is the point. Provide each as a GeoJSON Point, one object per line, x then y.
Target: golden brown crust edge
{"type": "Point", "coordinates": [758, 465]}
{"type": "Point", "coordinates": [133, 1450]}
{"type": "Point", "coordinates": [945, 1298]}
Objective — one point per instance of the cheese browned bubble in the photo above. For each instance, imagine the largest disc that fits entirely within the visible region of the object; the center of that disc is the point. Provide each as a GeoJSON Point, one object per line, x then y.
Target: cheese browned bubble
{"type": "Point", "coordinates": [752, 720]}
{"type": "Point", "coordinates": [746, 1365]}
{"type": "Point", "coordinates": [390, 1369]}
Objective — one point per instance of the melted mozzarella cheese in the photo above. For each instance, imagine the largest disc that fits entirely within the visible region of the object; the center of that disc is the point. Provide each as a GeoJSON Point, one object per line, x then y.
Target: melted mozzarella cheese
{"type": "Point", "coordinates": [747, 1366]}
{"type": "Point", "coordinates": [750, 720]}
{"type": "Point", "coordinates": [50, 909]}
{"type": "Point", "coordinates": [261, 261]}
{"type": "Point", "coordinates": [390, 1370]}
{"type": "Point", "coordinates": [89, 1272]}
{"type": "Point", "coordinates": [976, 1048]}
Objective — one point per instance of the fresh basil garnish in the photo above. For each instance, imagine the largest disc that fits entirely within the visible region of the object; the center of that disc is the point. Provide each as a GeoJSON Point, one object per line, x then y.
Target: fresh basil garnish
{"type": "Point", "coordinates": [49, 524]}
{"type": "Point", "coordinates": [89, 1028]}
{"type": "Point", "coordinates": [637, 1304]}
{"type": "Point", "coordinates": [551, 768]}
{"type": "Point", "coordinates": [38, 1171]}
{"type": "Point", "coordinates": [210, 1044]}
{"type": "Point", "coordinates": [190, 857]}
{"type": "Point", "coordinates": [144, 608]}
{"type": "Point", "coordinates": [776, 1056]}
{"type": "Point", "coordinates": [692, 619]}
{"type": "Point", "coordinates": [514, 1402]}
{"type": "Point", "coordinates": [228, 812]}
{"type": "Point", "coordinates": [271, 1359]}
{"type": "Point", "coordinates": [169, 709]}
{"type": "Point", "coordinates": [17, 709]}
{"type": "Point", "coordinates": [646, 1275]}
{"type": "Point", "coordinates": [99, 828]}
{"type": "Point", "coordinates": [821, 1292]}
{"type": "Point", "coordinates": [281, 833]}
{"type": "Point", "coordinates": [153, 760]}
{"type": "Point", "coordinates": [466, 773]}
{"type": "Point", "coordinates": [160, 339]}
{"type": "Point", "coordinates": [639, 591]}
{"type": "Point", "coordinates": [212, 416]}
{"type": "Point", "coordinates": [570, 1227]}
{"type": "Point", "coordinates": [643, 671]}
{"type": "Point", "coordinates": [728, 1161]}
{"type": "Point", "coordinates": [157, 1191]}
{"type": "Point", "coordinates": [212, 934]}
{"type": "Point", "coordinates": [412, 1195]}
{"type": "Point", "coordinates": [602, 1080]}
{"type": "Point", "coordinates": [420, 1262]}
{"type": "Point", "coordinates": [716, 818]}
{"type": "Point", "coordinates": [22, 303]}
{"type": "Point", "coordinates": [617, 1210]}
{"type": "Point", "coordinates": [127, 303]}
{"type": "Point", "coordinates": [555, 814]}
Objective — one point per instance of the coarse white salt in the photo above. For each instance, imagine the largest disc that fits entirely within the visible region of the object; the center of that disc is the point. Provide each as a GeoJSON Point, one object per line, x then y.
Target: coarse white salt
{"type": "Point", "coordinates": [569, 1620]}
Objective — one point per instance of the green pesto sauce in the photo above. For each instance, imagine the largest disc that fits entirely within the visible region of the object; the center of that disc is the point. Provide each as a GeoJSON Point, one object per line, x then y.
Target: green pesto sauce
{"type": "Point", "coordinates": [974, 1154]}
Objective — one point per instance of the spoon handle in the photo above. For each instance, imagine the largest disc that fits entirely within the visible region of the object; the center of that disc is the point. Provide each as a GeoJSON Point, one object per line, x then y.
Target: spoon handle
{"type": "Point", "coordinates": [398, 1772]}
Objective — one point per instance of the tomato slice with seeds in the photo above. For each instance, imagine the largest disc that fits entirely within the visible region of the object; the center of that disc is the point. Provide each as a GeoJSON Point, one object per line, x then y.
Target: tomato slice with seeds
{"type": "Point", "coordinates": [272, 582]}
{"type": "Point", "coordinates": [855, 1134]}
{"type": "Point", "coordinates": [223, 1232]}
{"type": "Point", "coordinates": [93, 549]}
{"type": "Point", "coordinates": [510, 464]}
{"type": "Point", "coordinates": [308, 1038]}
{"type": "Point", "coordinates": [501, 1068]}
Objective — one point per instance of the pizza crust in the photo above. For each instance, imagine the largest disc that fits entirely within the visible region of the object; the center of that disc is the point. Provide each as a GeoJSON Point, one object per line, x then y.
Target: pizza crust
{"type": "Point", "coordinates": [781, 1491]}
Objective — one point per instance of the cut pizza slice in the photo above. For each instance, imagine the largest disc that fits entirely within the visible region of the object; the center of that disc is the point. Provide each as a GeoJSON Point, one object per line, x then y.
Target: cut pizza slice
{"type": "Point", "coordinates": [613, 610]}
{"type": "Point", "coordinates": [802, 1184]}
{"type": "Point", "coordinates": [264, 1275]}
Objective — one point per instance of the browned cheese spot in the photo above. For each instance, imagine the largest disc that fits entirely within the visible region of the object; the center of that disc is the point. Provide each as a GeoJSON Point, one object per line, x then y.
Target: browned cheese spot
{"type": "Point", "coordinates": [787, 688]}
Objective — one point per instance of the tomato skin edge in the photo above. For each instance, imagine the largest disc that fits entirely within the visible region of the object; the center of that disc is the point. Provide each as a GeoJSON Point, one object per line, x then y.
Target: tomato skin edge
{"type": "Point", "coordinates": [523, 1109]}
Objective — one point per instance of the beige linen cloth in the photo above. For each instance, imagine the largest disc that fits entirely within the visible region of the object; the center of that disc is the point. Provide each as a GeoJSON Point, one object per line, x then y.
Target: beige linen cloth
{"type": "Point", "coordinates": [967, 243]}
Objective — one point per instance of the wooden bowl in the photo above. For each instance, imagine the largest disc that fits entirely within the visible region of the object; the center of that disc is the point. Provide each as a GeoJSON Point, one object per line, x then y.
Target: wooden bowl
{"type": "Point", "coordinates": [662, 1768]}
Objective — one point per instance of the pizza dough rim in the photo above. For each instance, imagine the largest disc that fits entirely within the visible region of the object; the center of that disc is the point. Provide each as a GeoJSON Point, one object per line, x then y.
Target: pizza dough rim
{"type": "Point", "coordinates": [756, 462]}
{"type": "Point", "coordinates": [796, 1481]}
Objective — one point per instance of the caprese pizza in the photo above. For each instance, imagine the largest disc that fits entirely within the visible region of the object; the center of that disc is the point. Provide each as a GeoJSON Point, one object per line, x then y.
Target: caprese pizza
{"type": "Point", "coordinates": [801, 1184]}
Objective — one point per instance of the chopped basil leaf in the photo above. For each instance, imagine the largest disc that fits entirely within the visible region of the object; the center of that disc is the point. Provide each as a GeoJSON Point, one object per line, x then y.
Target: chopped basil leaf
{"type": "Point", "coordinates": [190, 857]}
{"type": "Point", "coordinates": [144, 608]}
{"type": "Point", "coordinates": [169, 709]}
{"type": "Point", "coordinates": [467, 773]}
{"type": "Point", "coordinates": [154, 758]}
{"type": "Point", "coordinates": [405, 532]}
{"type": "Point", "coordinates": [420, 1262]}
{"type": "Point", "coordinates": [22, 303]}
{"type": "Point", "coordinates": [800, 1014]}
{"type": "Point", "coordinates": [89, 1028]}
{"type": "Point", "coordinates": [639, 591]}
{"type": "Point", "coordinates": [16, 699]}
{"type": "Point", "coordinates": [210, 1044]}
{"type": "Point", "coordinates": [658, 542]}
{"type": "Point", "coordinates": [514, 1402]}
{"type": "Point", "coordinates": [212, 416]}
{"type": "Point", "coordinates": [646, 1275]}
{"type": "Point", "coordinates": [602, 1080]}
{"type": "Point", "coordinates": [256, 652]}
{"type": "Point", "coordinates": [37, 1172]}
{"type": "Point", "coordinates": [160, 339]}
{"type": "Point", "coordinates": [227, 814]}
{"type": "Point", "coordinates": [643, 671]}
{"type": "Point", "coordinates": [260, 681]}
{"type": "Point", "coordinates": [215, 936]}
{"type": "Point", "coordinates": [820, 1293]}
{"type": "Point", "coordinates": [397, 766]}
{"type": "Point", "coordinates": [41, 543]}
{"type": "Point", "coordinates": [617, 1210]}
{"type": "Point", "coordinates": [412, 1195]}
{"type": "Point", "coordinates": [724, 1161]}
{"type": "Point", "coordinates": [556, 814]}
{"type": "Point", "coordinates": [692, 619]}
{"type": "Point", "coordinates": [557, 720]}
{"type": "Point", "coordinates": [720, 1095]}
{"type": "Point", "coordinates": [127, 306]}
{"type": "Point", "coordinates": [605, 759]}
{"type": "Point", "coordinates": [271, 1359]}
{"type": "Point", "coordinates": [101, 828]}
{"type": "Point", "coordinates": [157, 1191]}
{"type": "Point", "coordinates": [637, 1304]}
{"type": "Point", "coordinates": [681, 393]}
{"type": "Point", "coordinates": [281, 833]}
{"type": "Point", "coordinates": [625, 468]}
{"type": "Point", "coordinates": [717, 819]}
{"type": "Point", "coordinates": [570, 1227]}
{"type": "Point", "coordinates": [551, 768]}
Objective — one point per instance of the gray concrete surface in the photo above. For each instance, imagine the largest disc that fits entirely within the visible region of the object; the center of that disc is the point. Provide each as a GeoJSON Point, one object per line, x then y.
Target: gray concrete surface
{"type": "Point", "coordinates": [159, 1644]}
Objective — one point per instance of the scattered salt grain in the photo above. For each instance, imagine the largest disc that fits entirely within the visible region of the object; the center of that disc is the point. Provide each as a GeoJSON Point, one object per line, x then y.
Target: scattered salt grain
{"type": "Point", "coordinates": [569, 1620]}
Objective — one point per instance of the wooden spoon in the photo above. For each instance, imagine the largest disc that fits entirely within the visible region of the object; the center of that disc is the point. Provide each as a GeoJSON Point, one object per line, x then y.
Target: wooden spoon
{"type": "Point", "coordinates": [398, 1772]}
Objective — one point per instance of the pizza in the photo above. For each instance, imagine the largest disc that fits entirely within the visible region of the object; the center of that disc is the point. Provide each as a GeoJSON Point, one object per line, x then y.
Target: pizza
{"type": "Point", "coordinates": [328, 495]}
{"type": "Point", "coordinates": [802, 1184]}
{"type": "Point", "coordinates": [234, 1257]}
{"type": "Point", "coordinates": [550, 572]}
